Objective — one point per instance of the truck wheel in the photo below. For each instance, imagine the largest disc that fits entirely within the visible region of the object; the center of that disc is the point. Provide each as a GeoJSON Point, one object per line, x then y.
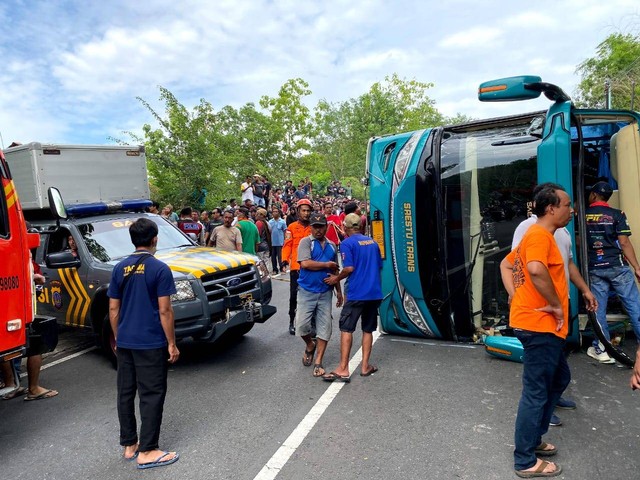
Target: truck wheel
{"type": "Point", "coordinates": [108, 341]}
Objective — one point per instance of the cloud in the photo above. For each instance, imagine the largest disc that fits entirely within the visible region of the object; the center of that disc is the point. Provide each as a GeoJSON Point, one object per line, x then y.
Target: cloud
{"type": "Point", "coordinates": [532, 19]}
{"type": "Point", "coordinates": [479, 37]}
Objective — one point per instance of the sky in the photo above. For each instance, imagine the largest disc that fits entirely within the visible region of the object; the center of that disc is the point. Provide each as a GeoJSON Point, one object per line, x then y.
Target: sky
{"type": "Point", "coordinates": [72, 70]}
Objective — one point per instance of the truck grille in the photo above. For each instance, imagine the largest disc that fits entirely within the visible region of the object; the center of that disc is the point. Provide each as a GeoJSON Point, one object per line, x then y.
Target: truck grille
{"type": "Point", "coordinates": [234, 281]}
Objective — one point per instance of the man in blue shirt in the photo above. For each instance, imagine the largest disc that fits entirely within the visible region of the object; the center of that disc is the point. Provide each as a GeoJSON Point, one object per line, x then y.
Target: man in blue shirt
{"type": "Point", "coordinates": [612, 263]}
{"type": "Point", "coordinates": [141, 318]}
{"type": "Point", "coordinates": [361, 262]}
{"type": "Point", "coordinates": [318, 258]}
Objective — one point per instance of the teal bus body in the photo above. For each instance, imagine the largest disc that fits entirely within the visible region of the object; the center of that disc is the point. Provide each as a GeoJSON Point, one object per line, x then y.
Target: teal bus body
{"type": "Point", "coordinates": [445, 201]}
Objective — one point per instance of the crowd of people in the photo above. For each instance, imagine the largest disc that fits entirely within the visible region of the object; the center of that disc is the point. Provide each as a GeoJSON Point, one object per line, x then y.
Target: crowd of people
{"type": "Point", "coordinates": [257, 224]}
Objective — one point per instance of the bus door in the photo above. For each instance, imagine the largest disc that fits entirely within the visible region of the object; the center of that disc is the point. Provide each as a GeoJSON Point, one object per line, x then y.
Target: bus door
{"type": "Point", "coordinates": [606, 147]}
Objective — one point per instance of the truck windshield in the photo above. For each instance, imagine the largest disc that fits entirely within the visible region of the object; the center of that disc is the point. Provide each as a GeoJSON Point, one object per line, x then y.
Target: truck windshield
{"type": "Point", "coordinates": [108, 240]}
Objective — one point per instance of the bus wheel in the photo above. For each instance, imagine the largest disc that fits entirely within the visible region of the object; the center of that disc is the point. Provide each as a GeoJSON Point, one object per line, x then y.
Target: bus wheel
{"type": "Point", "coordinates": [108, 341]}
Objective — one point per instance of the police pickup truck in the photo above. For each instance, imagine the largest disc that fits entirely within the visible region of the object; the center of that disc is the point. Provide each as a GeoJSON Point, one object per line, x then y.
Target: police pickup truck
{"type": "Point", "coordinates": [218, 292]}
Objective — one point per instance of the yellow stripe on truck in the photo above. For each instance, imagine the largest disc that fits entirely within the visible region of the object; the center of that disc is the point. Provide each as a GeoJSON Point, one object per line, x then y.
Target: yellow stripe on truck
{"type": "Point", "coordinates": [10, 194]}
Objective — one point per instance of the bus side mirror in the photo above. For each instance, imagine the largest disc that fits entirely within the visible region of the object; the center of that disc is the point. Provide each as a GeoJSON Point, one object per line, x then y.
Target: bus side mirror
{"type": "Point", "coordinates": [62, 260]}
{"type": "Point", "coordinates": [509, 89]}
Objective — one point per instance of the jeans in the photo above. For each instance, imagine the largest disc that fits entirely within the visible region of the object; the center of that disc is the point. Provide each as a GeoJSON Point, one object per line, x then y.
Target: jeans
{"type": "Point", "coordinates": [545, 375]}
{"type": "Point", "coordinates": [146, 372]}
{"type": "Point", "coordinates": [622, 281]}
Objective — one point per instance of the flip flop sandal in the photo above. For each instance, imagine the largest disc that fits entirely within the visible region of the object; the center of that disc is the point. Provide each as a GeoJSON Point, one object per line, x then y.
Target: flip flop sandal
{"type": "Point", "coordinates": [539, 473]}
{"type": "Point", "coordinates": [543, 450]}
{"type": "Point", "coordinates": [44, 395]}
{"type": "Point", "coordinates": [334, 377]}
{"type": "Point", "coordinates": [307, 358]}
{"type": "Point", "coordinates": [158, 462]}
{"type": "Point", "coordinates": [373, 370]}
{"type": "Point", "coordinates": [318, 370]}
{"type": "Point", "coordinates": [15, 393]}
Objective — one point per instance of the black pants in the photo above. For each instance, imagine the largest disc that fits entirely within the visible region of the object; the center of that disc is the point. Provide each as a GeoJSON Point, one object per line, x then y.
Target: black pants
{"type": "Point", "coordinates": [293, 294]}
{"type": "Point", "coordinates": [276, 258]}
{"type": "Point", "coordinates": [144, 371]}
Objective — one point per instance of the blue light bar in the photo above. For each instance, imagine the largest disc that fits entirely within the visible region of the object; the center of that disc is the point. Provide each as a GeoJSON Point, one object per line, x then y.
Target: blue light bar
{"type": "Point", "coordinates": [99, 208]}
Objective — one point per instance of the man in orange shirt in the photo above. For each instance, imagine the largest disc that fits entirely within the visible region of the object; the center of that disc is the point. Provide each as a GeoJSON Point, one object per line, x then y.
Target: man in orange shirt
{"type": "Point", "coordinates": [534, 277]}
{"type": "Point", "coordinates": [296, 231]}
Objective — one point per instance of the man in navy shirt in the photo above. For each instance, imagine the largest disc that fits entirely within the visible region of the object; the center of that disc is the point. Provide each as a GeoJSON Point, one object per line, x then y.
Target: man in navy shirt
{"type": "Point", "coordinates": [141, 318]}
{"type": "Point", "coordinates": [610, 253]}
{"type": "Point", "coordinates": [361, 262]}
{"type": "Point", "coordinates": [318, 257]}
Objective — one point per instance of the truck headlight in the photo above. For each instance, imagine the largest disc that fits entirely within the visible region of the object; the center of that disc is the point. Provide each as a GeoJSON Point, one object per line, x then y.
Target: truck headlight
{"type": "Point", "coordinates": [184, 291]}
{"type": "Point", "coordinates": [262, 270]}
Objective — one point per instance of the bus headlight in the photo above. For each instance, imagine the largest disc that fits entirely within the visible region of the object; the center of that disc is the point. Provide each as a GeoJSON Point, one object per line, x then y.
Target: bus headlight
{"type": "Point", "coordinates": [184, 291]}
{"type": "Point", "coordinates": [262, 270]}
{"type": "Point", "coordinates": [413, 312]}
{"type": "Point", "coordinates": [404, 156]}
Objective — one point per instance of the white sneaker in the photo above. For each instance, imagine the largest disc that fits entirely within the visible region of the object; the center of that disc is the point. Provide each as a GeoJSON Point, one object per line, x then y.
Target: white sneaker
{"type": "Point", "coordinates": [274, 275]}
{"type": "Point", "coordinates": [600, 355]}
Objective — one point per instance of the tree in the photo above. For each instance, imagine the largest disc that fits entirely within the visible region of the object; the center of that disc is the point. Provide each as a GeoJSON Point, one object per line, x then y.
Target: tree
{"type": "Point", "coordinates": [617, 61]}
{"type": "Point", "coordinates": [392, 106]}
{"type": "Point", "coordinates": [186, 154]}
{"type": "Point", "coordinates": [291, 124]}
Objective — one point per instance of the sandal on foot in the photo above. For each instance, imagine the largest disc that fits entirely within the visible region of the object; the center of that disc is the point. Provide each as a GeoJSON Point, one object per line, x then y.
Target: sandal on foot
{"type": "Point", "coordinates": [371, 371]}
{"type": "Point", "coordinates": [333, 376]}
{"type": "Point", "coordinates": [543, 450]}
{"type": "Point", "coordinates": [158, 462]}
{"type": "Point", "coordinates": [539, 472]}
{"type": "Point", "coordinates": [42, 396]}
{"type": "Point", "coordinates": [318, 370]}
{"type": "Point", "coordinates": [307, 358]}
{"type": "Point", "coordinates": [15, 393]}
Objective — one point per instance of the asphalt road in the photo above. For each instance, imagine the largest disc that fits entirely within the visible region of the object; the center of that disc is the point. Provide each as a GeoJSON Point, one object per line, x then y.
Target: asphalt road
{"type": "Point", "coordinates": [435, 410]}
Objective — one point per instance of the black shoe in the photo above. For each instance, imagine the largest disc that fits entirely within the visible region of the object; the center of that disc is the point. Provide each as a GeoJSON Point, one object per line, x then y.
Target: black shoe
{"type": "Point", "coordinates": [292, 330]}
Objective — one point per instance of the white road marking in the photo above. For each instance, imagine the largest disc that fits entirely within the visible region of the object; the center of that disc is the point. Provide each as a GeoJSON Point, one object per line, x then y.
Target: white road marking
{"type": "Point", "coordinates": [283, 454]}
{"type": "Point", "coordinates": [63, 359]}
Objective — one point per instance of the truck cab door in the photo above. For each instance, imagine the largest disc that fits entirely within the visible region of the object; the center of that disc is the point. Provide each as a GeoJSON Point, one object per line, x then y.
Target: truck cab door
{"type": "Point", "coordinates": [64, 294]}
{"type": "Point", "coordinates": [15, 279]}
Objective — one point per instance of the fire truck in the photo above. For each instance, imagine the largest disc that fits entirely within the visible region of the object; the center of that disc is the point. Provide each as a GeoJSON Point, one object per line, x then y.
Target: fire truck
{"type": "Point", "coordinates": [17, 326]}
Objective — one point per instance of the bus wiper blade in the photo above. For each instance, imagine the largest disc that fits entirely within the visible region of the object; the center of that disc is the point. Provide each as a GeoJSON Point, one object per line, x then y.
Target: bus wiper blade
{"type": "Point", "coordinates": [515, 141]}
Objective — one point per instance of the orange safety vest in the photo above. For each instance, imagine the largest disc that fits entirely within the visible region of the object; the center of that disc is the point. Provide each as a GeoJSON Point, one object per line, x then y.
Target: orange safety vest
{"type": "Point", "coordinates": [295, 232]}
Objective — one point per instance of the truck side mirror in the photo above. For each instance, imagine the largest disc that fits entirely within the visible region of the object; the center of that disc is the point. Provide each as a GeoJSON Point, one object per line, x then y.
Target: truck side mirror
{"type": "Point", "coordinates": [56, 204]}
{"type": "Point", "coordinates": [62, 260]}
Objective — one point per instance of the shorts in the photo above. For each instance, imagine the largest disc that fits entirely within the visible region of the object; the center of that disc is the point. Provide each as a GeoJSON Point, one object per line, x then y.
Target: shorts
{"type": "Point", "coordinates": [355, 309]}
{"type": "Point", "coordinates": [312, 305]}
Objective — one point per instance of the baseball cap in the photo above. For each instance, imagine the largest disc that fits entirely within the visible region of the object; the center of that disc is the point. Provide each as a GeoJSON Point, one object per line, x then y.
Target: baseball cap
{"type": "Point", "coordinates": [317, 219]}
{"type": "Point", "coordinates": [352, 220]}
{"type": "Point", "coordinates": [304, 201]}
{"type": "Point", "coordinates": [603, 189]}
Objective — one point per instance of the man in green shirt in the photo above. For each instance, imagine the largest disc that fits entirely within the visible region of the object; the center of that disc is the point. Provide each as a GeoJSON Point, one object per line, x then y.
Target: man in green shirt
{"type": "Point", "coordinates": [249, 232]}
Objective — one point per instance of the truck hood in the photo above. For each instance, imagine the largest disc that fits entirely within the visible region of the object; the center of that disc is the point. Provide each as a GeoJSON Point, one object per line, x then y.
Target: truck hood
{"type": "Point", "coordinates": [199, 261]}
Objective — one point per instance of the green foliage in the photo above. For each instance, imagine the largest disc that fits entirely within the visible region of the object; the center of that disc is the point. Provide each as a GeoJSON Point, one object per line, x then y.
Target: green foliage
{"type": "Point", "coordinates": [291, 124]}
{"type": "Point", "coordinates": [344, 129]}
{"type": "Point", "coordinates": [205, 149]}
{"type": "Point", "coordinates": [617, 60]}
